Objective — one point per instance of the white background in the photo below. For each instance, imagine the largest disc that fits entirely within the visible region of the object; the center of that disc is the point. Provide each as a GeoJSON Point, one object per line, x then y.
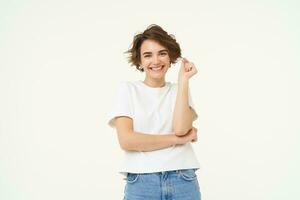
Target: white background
{"type": "Point", "coordinates": [61, 63]}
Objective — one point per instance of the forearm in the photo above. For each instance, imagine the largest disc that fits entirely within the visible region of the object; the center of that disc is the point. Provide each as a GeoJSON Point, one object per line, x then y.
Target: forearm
{"type": "Point", "coordinates": [137, 141]}
{"type": "Point", "coordinates": [182, 116]}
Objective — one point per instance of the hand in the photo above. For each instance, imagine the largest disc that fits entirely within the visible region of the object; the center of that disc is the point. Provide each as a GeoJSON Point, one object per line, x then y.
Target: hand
{"type": "Point", "coordinates": [187, 70]}
{"type": "Point", "coordinates": [191, 136]}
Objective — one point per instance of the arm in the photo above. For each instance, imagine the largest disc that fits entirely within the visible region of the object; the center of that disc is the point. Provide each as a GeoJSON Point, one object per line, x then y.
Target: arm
{"type": "Point", "coordinates": [135, 141]}
{"type": "Point", "coordinates": [183, 113]}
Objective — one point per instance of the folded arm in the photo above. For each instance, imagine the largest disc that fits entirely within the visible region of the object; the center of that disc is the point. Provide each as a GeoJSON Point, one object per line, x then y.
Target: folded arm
{"type": "Point", "coordinates": [183, 113]}
{"type": "Point", "coordinates": [135, 141]}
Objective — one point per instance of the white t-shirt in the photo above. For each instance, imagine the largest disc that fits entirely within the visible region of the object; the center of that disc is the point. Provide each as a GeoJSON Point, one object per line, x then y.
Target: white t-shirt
{"type": "Point", "coordinates": [151, 110]}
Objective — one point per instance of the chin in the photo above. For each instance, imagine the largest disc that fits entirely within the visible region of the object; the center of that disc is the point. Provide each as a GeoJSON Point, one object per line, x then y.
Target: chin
{"type": "Point", "coordinates": [158, 77]}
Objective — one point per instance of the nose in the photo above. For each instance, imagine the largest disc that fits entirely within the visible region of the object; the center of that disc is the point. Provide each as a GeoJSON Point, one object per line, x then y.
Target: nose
{"type": "Point", "coordinates": [155, 59]}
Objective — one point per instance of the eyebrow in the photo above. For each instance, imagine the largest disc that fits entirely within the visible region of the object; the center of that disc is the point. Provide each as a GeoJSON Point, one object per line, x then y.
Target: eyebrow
{"type": "Point", "coordinates": [163, 50]}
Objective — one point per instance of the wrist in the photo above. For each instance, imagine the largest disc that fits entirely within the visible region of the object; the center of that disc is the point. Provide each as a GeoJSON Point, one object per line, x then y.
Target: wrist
{"type": "Point", "coordinates": [183, 80]}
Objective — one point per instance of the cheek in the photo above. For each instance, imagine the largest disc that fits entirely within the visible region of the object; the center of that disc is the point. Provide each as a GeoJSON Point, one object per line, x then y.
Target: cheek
{"type": "Point", "coordinates": [167, 59]}
{"type": "Point", "coordinates": [144, 62]}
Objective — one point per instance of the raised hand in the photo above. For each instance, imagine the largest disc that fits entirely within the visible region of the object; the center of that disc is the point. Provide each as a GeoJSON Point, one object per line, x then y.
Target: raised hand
{"type": "Point", "coordinates": [187, 70]}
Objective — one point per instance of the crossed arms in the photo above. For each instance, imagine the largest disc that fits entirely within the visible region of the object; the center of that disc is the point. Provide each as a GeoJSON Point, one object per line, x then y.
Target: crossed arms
{"type": "Point", "coordinates": [183, 131]}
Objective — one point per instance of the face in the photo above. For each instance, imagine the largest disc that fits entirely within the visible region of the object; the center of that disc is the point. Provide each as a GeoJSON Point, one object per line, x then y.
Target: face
{"type": "Point", "coordinates": [154, 59]}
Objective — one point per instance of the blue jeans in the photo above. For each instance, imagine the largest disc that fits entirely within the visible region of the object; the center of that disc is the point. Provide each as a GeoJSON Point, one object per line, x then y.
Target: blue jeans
{"type": "Point", "coordinates": [168, 185]}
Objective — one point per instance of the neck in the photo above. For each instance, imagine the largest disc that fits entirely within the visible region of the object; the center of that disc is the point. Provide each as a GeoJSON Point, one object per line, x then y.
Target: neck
{"type": "Point", "coordinates": [155, 83]}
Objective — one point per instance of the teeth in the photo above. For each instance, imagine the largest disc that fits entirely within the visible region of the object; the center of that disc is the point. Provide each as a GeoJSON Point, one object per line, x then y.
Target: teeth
{"type": "Point", "coordinates": [156, 68]}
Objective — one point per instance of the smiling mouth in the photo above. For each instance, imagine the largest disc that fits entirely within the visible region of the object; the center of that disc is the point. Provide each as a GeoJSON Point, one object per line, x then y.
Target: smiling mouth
{"type": "Point", "coordinates": [157, 69]}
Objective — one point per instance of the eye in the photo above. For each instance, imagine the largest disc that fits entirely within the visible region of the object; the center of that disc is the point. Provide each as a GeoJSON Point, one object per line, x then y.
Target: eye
{"type": "Point", "coordinates": [163, 54]}
{"type": "Point", "coordinates": [146, 56]}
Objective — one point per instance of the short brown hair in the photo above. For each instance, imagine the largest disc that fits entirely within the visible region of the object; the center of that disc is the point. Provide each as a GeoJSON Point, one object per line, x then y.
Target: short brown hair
{"type": "Point", "coordinates": [156, 33]}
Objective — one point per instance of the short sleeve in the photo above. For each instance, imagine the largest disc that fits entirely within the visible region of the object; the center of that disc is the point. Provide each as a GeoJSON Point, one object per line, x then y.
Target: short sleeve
{"type": "Point", "coordinates": [122, 105]}
{"type": "Point", "coordinates": [192, 105]}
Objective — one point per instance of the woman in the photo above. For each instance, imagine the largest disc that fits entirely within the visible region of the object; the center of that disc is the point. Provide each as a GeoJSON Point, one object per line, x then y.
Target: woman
{"type": "Point", "coordinates": [153, 119]}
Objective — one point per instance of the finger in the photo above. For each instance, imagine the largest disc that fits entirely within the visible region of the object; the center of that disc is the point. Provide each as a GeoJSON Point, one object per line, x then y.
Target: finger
{"type": "Point", "coordinates": [186, 60]}
{"type": "Point", "coordinates": [196, 137]}
{"type": "Point", "coordinates": [192, 66]}
{"type": "Point", "coordinates": [188, 67]}
{"type": "Point", "coordinates": [193, 71]}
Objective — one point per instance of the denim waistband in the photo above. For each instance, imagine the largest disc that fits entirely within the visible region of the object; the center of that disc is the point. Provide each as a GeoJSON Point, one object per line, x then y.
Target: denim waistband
{"type": "Point", "coordinates": [165, 172]}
